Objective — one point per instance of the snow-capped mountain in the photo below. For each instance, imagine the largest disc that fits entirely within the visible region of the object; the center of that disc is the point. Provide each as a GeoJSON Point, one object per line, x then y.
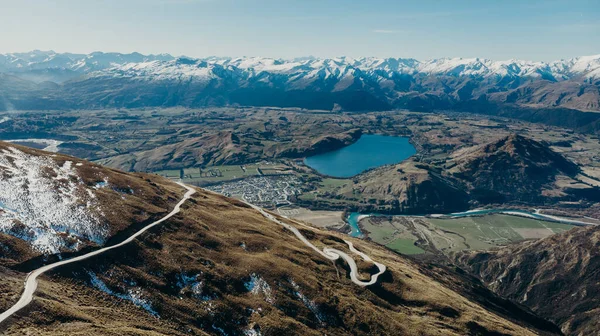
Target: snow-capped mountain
{"type": "Point", "coordinates": [179, 69]}
{"type": "Point", "coordinates": [135, 80]}
{"type": "Point", "coordinates": [379, 83]}
{"type": "Point", "coordinates": [392, 78]}
{"type": "Point", "coordinates": [48, 65]}
{"type": "Point", "coordinates": [587, 66]}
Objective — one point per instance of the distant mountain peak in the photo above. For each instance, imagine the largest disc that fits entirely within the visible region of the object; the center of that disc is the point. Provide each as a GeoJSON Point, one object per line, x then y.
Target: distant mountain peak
{"type": "Point", "coordinates": [523, 151]}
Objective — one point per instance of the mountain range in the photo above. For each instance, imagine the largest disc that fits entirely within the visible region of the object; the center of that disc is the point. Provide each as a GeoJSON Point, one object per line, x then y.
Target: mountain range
{"type": "Point", "coordinates": [48, 80]}
{"type": "Point", "coordinates": [40, 66]}
{"type": "Point", "coordinates": [586, 66]}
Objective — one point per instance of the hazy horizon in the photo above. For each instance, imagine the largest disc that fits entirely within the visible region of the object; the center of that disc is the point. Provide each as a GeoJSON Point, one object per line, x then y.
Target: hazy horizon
{"type": "Point", "coordinates": [282, 58]}
{"type": "Point", "coordinates": [537, 30]}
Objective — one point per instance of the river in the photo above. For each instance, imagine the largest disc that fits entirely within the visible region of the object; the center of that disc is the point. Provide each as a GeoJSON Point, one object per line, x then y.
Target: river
{"type": "Point", "coordinates": [354, 217]}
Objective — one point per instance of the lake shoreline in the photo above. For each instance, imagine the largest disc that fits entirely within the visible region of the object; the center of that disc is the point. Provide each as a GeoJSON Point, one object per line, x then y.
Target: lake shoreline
{"type": "Point", "coordinates": [369, 152]}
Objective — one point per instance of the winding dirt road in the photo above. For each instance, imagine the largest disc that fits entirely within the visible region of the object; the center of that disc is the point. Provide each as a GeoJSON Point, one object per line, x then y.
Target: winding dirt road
{"type": "Point", "coordinates": [331, 253]}
{"type": "Point", "coordinates": [31, 282]}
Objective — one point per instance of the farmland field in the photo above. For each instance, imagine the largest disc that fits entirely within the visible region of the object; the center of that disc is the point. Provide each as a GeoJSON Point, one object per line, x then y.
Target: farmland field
{"type": "Point", "coordinates": [413, 235]}
{"type": "Point", "coordinates": [494, 230]}
{"type": "Point", "coordinates": [405, 246]}
{"type": "Point", "coordinates": [212, 174]}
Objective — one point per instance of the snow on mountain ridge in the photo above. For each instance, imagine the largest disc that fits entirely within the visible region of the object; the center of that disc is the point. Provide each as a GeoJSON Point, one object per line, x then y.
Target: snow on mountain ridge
{"type": "Point", "coordinates": [161, 70]}
{"type": "Point", "coordinates": [588, 66]}
{"type": "Point", "coordinates": [47, 204]}
{"type": "Point", "coordinates": [37, 59]}
{"type": "Point", "coordinates": [305, 69]}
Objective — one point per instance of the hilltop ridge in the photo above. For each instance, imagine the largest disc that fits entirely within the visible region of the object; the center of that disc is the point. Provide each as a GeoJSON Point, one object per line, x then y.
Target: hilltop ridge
{"type": "Point", "coordinates": [514, 167]}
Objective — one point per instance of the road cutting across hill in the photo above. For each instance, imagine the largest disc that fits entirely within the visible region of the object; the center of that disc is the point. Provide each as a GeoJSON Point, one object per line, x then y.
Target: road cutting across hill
{"type": "Point", "coordinates": [31, 281]}
{"type": "Point", "coordinates": [331, 253]}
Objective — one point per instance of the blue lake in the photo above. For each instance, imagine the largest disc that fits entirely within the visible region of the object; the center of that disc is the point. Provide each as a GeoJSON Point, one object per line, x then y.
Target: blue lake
{"type": "Point", "coordinates": [370, 151]}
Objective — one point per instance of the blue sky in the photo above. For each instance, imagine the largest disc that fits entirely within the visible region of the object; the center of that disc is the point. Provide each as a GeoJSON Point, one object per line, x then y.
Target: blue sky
{"type": "Point", "coordinates": [423, 29]}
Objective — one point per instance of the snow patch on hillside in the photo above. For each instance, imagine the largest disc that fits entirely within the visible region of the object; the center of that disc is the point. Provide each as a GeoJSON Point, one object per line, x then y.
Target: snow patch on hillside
{"type": "Point", "coordinates": [252, 332]}
{"type": "Point", "coordinates": [194, 285]}
{"type": "Point", "coordinates": [46, 204]}
{"type": "Point", "coordinates": [308, 303]}
{"type": "Point", "coordinates": [134, 295]}
{"type": "Point", "coordinates": [257, 286]}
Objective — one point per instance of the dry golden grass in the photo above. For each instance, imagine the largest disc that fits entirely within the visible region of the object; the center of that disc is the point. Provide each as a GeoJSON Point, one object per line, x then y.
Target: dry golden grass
{"type": "Point", "coordinates": [125, 205]}
{"type": "Point", "coordinates": [224, 242]}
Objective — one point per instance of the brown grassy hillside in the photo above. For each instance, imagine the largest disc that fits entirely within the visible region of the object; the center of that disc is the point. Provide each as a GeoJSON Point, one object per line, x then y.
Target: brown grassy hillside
{"type": "Point", "coordinates": [192, 274]}
{"type": "Point", "coordinates": [513, 168]}
{"type": "Point", "coordinates": [408, 187]}
{"type": "Point", "coordinates": [121, 202]}
{"type": "Point", "coordinates": [556, 277]}
{"type": "Point", "coordinates": [227, 147]}
{"type": "Point", "coordinates": [219, 267]}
